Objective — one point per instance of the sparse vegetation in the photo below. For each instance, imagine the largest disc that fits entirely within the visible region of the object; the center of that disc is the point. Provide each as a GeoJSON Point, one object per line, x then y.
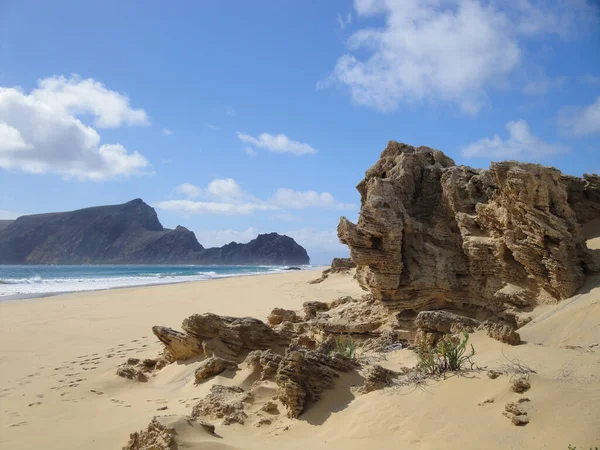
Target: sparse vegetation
{"type": "Point", "coordinates": [345, 346]}
{"type": "Point", "coordinates": [449, 355]}
{"type": "Point", "coordinates": [572, 447]}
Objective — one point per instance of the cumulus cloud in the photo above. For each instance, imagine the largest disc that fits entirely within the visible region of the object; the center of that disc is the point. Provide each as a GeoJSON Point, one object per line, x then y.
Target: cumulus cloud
{"type": "Point", "coordinates": [41, 133]}
{"type": "Point", "coordinates": [450, 50]}
{"type": "Point", "coordinates": [520, 144]}
{"type": "Point", "coordinates": [579, 121]}
{"type": "Point", "coordinates": [74, 96]}
{"type": "Point", "coordinates": [279, 143]}
{"type": "Point", "coordinates": [307, 199]}
{"type": "Point", "coordinates": [226, 196]}
{"type": "Point", "coordinates": [189, 190]}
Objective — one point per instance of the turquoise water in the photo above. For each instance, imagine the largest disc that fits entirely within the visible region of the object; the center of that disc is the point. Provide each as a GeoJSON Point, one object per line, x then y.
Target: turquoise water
{"type": "Point", "coordinates": [34, 281]}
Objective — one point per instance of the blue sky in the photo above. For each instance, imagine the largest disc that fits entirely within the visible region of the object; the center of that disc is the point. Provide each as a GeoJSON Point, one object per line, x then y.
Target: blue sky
{"type": "Point", "coordinates": [235, 117]}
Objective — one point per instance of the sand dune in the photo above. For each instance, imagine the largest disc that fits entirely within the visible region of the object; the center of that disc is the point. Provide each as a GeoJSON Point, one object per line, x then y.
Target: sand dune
{"type": "Point", "coordinates": [59, 389]}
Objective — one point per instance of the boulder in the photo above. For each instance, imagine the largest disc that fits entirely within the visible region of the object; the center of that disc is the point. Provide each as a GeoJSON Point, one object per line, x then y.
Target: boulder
{"type": "Point", "coordinates": [279, 315]}
{"type": "Point", "coordinates": [213, 366]}
{"type": "Point", "coordinates": [502, 332]}
{"type": "Point", "coordinates": [155, 437]}
{"type": "Point", "coordinates": [378, 377]}
{"type": "Point", "coordinates": [304, 374]}
{"type": "Point", "coordinates": [178, 346]}
{"type": "Point", "coordinates": [223, 402]}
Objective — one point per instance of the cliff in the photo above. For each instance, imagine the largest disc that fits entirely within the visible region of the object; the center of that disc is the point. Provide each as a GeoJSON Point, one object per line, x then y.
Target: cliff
{"type": "Point", "coordinates": [129, 233]}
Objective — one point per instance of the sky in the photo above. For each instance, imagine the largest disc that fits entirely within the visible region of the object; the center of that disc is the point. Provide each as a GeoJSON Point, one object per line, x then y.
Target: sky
{"type": "Point", "coordinates": [234, 118]}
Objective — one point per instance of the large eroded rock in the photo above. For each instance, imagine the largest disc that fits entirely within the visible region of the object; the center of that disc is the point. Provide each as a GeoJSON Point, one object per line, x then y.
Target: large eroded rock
{"type": "Point", "coordinates": [432, 235]}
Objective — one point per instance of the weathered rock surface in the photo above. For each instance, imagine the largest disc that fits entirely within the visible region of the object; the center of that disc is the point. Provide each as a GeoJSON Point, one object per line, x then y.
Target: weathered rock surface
{"type": "Point", "coordinates": [304, 374]}
{"type": "Point", "coordinates": [520, 384]}
{"type": "Point", "coordinates": [129, 233]}
{"type": "Point", "coordinates": [134, 369]}
{"type": "Point", "coordinates": [378, 377]}
{"type": "Point", "coordinates": [155, 437]}
{"type": "Point", "coordinates": [502, 332]}
{"type": "Point", "coordinates": [213, 335]}
{"type": "Point", "coordinates": [213, 366]}
{"type": "Point", "coordinates": [279, 315]}
{"type": "Point", "coordinates": [224, 402]}
{"type": "Point", "coordinates": [338, 265]}
{"type": "Point", "coordinates": [265, 363]}
{"type": "Point", "coordinates": [435, 236]}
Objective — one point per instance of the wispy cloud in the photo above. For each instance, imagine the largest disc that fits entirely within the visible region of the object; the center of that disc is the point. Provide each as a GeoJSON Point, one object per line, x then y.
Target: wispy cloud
{"type": "Point", "coordinates": [166, 132]}
{"type": "Point", "coordinates": [580, 121]}
{"type": "Point", "coordinates": [250, 151]}
{"type": "Point", "coordinates": [212, 127]}
{"type": "Point", "coordinates": [279, 143]}
{"type": "Point", "coordinates": [520, 144]}
{"type": "Point", "coordinates": [230, 111]}
{"type": "Point", "coordinates": [343, 21]}
{"type": "Point", "coordinates": [226, 196]}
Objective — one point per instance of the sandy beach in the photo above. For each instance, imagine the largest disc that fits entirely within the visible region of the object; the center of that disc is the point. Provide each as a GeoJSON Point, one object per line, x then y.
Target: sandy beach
{"type": "Point", "coordinates": [59, 388]}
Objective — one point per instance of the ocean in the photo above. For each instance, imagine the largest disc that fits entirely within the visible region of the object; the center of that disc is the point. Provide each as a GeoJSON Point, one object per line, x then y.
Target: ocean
{"type": "Point", "coordinates": [39, 281]}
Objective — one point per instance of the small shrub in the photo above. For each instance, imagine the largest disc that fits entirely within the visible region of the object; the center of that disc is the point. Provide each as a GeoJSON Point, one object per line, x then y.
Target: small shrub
{"type": "Point", "coordinates": [572, 447]}
{"type": "Point", "coordinates": [345, 346]}
{"type": "Point", "coordinates": [449, 355]}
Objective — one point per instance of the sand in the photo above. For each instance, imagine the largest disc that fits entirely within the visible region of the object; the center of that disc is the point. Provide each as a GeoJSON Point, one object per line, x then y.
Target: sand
{"type": "Point", "coordinates": [58, 387]}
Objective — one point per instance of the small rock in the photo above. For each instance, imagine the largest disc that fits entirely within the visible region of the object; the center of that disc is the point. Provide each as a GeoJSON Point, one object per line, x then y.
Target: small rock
{"type": "Point", "coordinates": [270, 407]}
{"type": "Point", "coordinates": [513, 408]}
{"type": "Point", "coordinates": [520, 384]}
{"type": "Point", "coordinates": [489, 400]}
{"type": "Point", "coordinates": [262, 422]}
{"type": "Point", "coordinates": [523, 400]}
{"type": "Point", "coordinates": [162, 408]}
{"type": "Point", "coordinates": [520, 421]}
{"type": "Point", "coordinates": [493, 374]}
{"type": "Point", "coordinates": [132, 361]}
{"type": "Point", "coordinates": [207, 426]}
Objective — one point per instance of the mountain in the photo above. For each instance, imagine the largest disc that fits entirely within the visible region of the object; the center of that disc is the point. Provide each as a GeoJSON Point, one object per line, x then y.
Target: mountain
{"type": "Point", "coordinates": [129, 233]}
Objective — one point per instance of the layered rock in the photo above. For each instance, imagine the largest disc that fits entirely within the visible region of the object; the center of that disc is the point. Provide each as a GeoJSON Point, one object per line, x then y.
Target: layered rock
{"type": "Point", "coordinates": [432, 235]}
{"type": "Point", "coordinates": [338, 265]}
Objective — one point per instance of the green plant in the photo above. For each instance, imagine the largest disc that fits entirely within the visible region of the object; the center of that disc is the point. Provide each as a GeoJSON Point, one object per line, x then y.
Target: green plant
{"type": "Point", "coordinates": [572, 447]}
{"type": "Point", "coordinates": [345, 346]}
{"type": "Point", "coordinates": [449, 355]}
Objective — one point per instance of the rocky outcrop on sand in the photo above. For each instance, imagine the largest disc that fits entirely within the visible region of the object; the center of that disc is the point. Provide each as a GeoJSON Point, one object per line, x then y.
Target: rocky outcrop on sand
{"type": "Point", "coordinates": [155, 437]}
{"type": "Point", "coordinates": [303, 375]}
{"type": "Point", "coordinates": [338, 265]}
{"type": "Point", "coordinates": [129, 233]}
{"type": "Point", "coordinates": [213, 366]}
{"type": "Point", "coordinates": [478, 243]}
{"type": "Point", "coordinates": [225, 403]}
{"type": "Point", "coordinates": [139, 370]}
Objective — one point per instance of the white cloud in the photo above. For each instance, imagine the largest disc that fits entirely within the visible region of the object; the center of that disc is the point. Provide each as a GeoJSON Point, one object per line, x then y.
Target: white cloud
{"type": "Point", "coordinates": [521, 144]}
{"type": "Point", "coordinates": [189, 190]}
{"type": "Point", "coordinates": [279, 143]}
{"type": "Point", "coordinates": [451, 50]}
{"type": "Point", "coordinates": [212, 127]}
{"type": "Point", "coordinates": [286, 217]}
{"type": "Point", "coordinates": [581, 121]}
{"type": "Point", "coordinates": [10, 215]}
{"type": "Point", "coordinates": [40, 133]}
{"type": "Point", "coordinates": [218, 238]}
{"type": "Point", "coordinates": [592, 80]}
{"type": "Point", "coordinates": [230, 111]}
{"type": "Point", "coordinates": [250, 151]}
{"type": "Point", "coordinates": [193, 207]}
{"type": "Point", "coordinates": [74, 96]}
{"type": "Point", "coordinates": [543, 84]}
{"type": "Point", "coordinates": [307, 199]}
{"type": "Point", "coordinates": [166, 132]}
{"type": "Point", "coordinates": [344, 21]}
{"type": "Point", "coordinates": [225, 196]}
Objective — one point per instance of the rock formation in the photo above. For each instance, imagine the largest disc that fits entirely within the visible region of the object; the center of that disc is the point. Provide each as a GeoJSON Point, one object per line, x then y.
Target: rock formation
{"type": "Point", "coordinates": [338, 265]}
{"type": "Point", "coordinates": [128, 234]}
{"type": "Point", "coordinates": [224, 402]}
{"type": "Point", "coordinates": [479, 243]}
{"type": "Point", "coordinates": [155, 437]}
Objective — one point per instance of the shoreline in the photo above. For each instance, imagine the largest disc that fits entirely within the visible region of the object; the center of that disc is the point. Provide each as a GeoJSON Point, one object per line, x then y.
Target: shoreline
{"type": "Point", "coordinates": [33, 296]}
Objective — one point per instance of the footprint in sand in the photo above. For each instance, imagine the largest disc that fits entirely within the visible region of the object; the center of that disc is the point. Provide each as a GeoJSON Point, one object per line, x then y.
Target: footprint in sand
{"type": "Point", "coordinates": [35, 404]}
{"type": "Point", "coordinates": [20, 424]}
{"type": "Point", "coordinates": [40, 396]}
{"type": "Point", "coordinates": [96, 392]}
{"type": "Point", "coordinates": [136, 340]}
